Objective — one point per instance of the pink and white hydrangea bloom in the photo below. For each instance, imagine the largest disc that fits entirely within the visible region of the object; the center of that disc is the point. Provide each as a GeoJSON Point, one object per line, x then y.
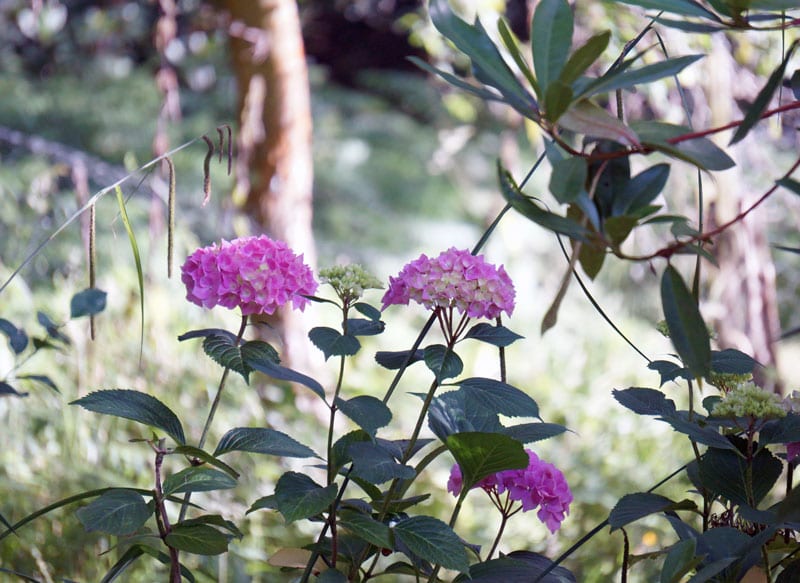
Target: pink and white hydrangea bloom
{"type": "Point", "coordinates": [255, 274]}
{"type": "Point", "coordinates": [455, 278]}
{"type": "Point", "coordinates": [541, 485]}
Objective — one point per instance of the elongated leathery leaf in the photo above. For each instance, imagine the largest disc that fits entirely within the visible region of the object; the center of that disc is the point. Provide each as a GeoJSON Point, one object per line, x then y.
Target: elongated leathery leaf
{"type": "Point", "coordinates": [136, 406]}
{"type": "Point", "coordinates": [682, 7]}
{"type": "Point", "coordinates": [119, 512]}
{"type": "Point", "coordinates": [551, 39]}
{"type": "Point", "coordinates": [687, 330]}
{"type": "Point", "coordinates": [625, 79]}
{"type": "Point", "coordinates": [584, 56]}
{"type": "Point", "coordinates": [262, 440]}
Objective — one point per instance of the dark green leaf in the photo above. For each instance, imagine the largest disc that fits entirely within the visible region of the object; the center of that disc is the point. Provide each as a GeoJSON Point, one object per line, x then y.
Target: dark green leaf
{"type": "Point", "coordinates": [443, 363]}
{"type": "Point", "coordinates": [511, 44]}
{"type": "Point", "coordinates": [258, 351]}
{"type": "Point", "coordinates": [527, 208]}
{"type": "Point", "coordinates": [367, 528]}
{"type": "Point", "coordinates": [645, 401]}
{"type": "Point", "coordinates": [701, 152]}
{"type": "Point", "coordinates": [703, 434]}
{"type": "Point", "coordinates": [449, 414]}
{"type": "Point", "coordinates": [584, 57]}
{"type": "Point", "coordinates": [763, 98]}
{"type": "Point", "coordinates": [495, 335]}
{"type": "Point", "coordinates": [482, 454]}
{"type": "Point", "coordinates": [367, 412]}
{"type": "Point", "coordinates": [632, 507]}
{"type": "Point", "coordinates": [789, 184]}
{"type": "Point", "coordinates": [591, 120]}
{"type": "Point", "coordinates": [732, 361]}
{"type": "Point", "coordinates": [628, 78]}
{"type": "Point", "coordinates": [687, 330]}
{"type": "Point", "coordinates": [282, 373]}
{"type": "Point", "coordinates": [434, 541]}
{"type": "Point", "coordinates": [39, 378]}
{"type": "Point", "coordinates": [568, 179]}
{"type": "Point", "coordinates": [682, 7]}
{"type": "Point", "coordinates": [795, 83]}
{"type": "Point", "coordinates": [531, 432]}
{"type": "Point", "coordinates": [199, 539]}
{"type": "Point", "coordinates": [225, 351]}
{"type": "Point", "coordinates": [262, 440]}
{"type": "Point", "coordinates": [551, 40]}
{"type": "Point", "coordinates": [265, 502]}
{"type": "Point", "coordinates": [557, 100]}
{"type": "Point", "coordinates": [136, 406]}
{"type": "Point", "coordinates": [487, 61]}
{"type": "Point", "coordinates": [197, 479]}
{"type": "Point", "coordinates": [17, 338]}
{"type": "Point", "coordinates": [333, 343]}
{"type": "Point", "coordinates": [369, 311]}
{"type": "Point", "coordinates": [215, 520]}
{"type": "Point", "coordinates": [478, 91]}
{"type": "Point", "coordinates": [641, 190]}
{"type": "Point", "coordinates": [618, 228]}
{"type": "Point", "coordinates": [331, 576]}
{"type": "Point", "coordinates": [789, 509]}
{"type": "Point", "coordinates": [196, 452]}
{"type": "Point", "coordinates": [783, 430]}
{"type": "Point", "coordinates": [6, 389]}
{"type": "Point", "coordinates": [118, 512]}
{"type": "Point", "coordinates": [724, 473]}
{"type": "Point", "coordinates": [396, 360]}
{"type": "Point", "coordinates": [517, 567]}
{"type": "Point", "coordinates": [679, 561]}
{"type": "Point", "coordinates": [362, 327]}
{"type": "Point", "coordinates": [297, 496]}
{"type": "Point", "coordinates": [51, 327]}
{"type": "Point", "coordinates": [87, 303]}
{"type": "Point", "coordinates": [376, 465]}
{"type": "Point", "coordinates": [204, 332]}
{"type": "Point", "coordinates": [498, 397]}
{"type": "Point", "coordinates": [669, 371]}
{"type": "Point", "coordinates": [126, 560]}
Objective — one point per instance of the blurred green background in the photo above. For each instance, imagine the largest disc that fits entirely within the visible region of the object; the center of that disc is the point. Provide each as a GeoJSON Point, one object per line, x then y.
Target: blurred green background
{"type": "Point", "coordinates": [402, 166]}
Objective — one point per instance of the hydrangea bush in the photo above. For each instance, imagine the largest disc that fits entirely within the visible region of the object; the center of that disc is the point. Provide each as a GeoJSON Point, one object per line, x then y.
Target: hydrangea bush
{"type": "Point", "coordinates": [359, 489]}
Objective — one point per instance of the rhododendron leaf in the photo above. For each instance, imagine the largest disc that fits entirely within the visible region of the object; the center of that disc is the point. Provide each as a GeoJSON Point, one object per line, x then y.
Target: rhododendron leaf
{"type": "Point", "coordinates": [376, 465]}
{"type": "Point", "coordinates": [518, 567]}
{"type": "Point", "coordinates": [432, 540]}
{"type": "Point", "coordinates": [551, 40]}
{"type": "Point", "coordinates": [669, 371]}
{"type": "Point", "coordinates": [17, 338]}
{"type": "Point", "coordinates": [443, 363]}
{"type": "Point", "coordinates": [568, 179]}
{"type": "Point", "coordinates": [333, 343]}
{"type": "Point", "coordinates": [632, 507]}
{"type": "Point", "coordinates": [591, 120]}
{"type": "Point", "coordinates": [495, 335]}
{"type": "Point", "coordinates": [584, 57]}
{"type": "Point", "coordinates": [687, 330]}
{"type": "Point", "coordinates": [369, 311]}
{"type": "Point", "coordinates": [199, 539]}
{"type": "Point", "coordinates": [195, 452]}
{"type": "Point", "coordinates": [367, 412]}
{"type": "Point", "coordinates": [197, 479]}
{"type": "Point", "coordinates": [531, 432]}
{"type": "Point", "coordinates": [701, 152]}
{"type": "Point", "coordinates": [362, 327]}
{"type": "Point", "coordinates": [297, 496]}
{"type": "Point", "coordinates": [725, 473]}
{"type": "Point", "coordinates": [396, 360]}
{"type": "Point", "coordinates": [136, 406]}
{"type": "Point", "coordinates": [498, 397]}
{"type": "Point", "coordinates": [225, 352]}
{"type": "Point", "coordinates": [366, 528]}
{"type": "Point", "coordinates": [625, 78]}
{"type": "Point", "coordinates": [119, 512]}
{"type": "Point", "coordinates": [282, 373]}
{"type": "Point", "coordinates": [262, 440]}
{"type": "Point", "coordinates": [645, 401]}
{"type": "Point", "coordinates": [732, 361]}
{"type": "Point", "coordinates": [641, 190]}
{"type": "Point", "coordinates": [483, 454]}
{"type": "Point", "coordinates": [682, 7]}
{"type": "Point", "coordinates": [87, 303]}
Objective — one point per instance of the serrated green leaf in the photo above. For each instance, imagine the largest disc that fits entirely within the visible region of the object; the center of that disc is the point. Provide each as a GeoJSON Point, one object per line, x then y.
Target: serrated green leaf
{"type": "Point", "coordinates": [495, 335]}
{"type": "Point", "coordinates": [482, 454]}
{"type": "Point", "coordinates": [367, 412]}
{"type": "Point", "coordinates": [376, 465]}
{"type": "Point", "coordinates": [215, 520]}
{"type": "Point", "coordinates": [366, 528]}
{"type": "Point", "coordinates": [763, 98]}
{"type": "Point", "coordinates": [196, 452]}
{"type": "Point", "coordinates": [632, 507]}
{"type": "Point", "coordinates": [498, 397]}
{"type": "Point", "coordinates": [297, 496]}
{"type": "Point", "coordinates": [199, 539]}
{"type": "Point", "coordinates": [551, 40]}
{"type": "Point", "coordinates": [87, 303]}
{"type": "Point", "coordinates": [333, 343]}
{"type": "Point", "coordinates": [258, 351]}
{"type": "Point", "coordinates": [118, 512]}
{"type": "Point", "coordinates": [687, 330]}
{"type": "Point", "coordinates": [432, 540]}
{"type": "Point", "coordinates": [644, 401]}
{"type": "Point", "coordinates": [532, 432]}
{"type": "Point", "coordinates": [262, 440]}
{"type": "Point", "coordinates": [197, 479]}
{"type": "Point", "coordinates": [443, 363]}
{"type": "Point", "coordinates": [135, 406]}
{"type": "Point", "coordinates": [725, 473]}
{"type": "Point", "coordinates": [227, 353]}
{"type": "Point", "coordinates": [584, 57]}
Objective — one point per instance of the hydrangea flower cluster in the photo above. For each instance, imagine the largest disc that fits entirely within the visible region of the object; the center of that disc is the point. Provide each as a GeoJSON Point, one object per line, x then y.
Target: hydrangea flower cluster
{"type": "Point", "coordinates": [255, 274]}
{"type": "Point", "coordinates": [349, 281]}
{"type": "Point", "coordinates": [540, 485]}
{"type": "Point", "coordinates": [455, 278]}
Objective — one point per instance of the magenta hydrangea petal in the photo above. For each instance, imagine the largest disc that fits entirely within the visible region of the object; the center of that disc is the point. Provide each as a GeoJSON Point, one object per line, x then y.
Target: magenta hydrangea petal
{"type": "Point", "coordinates": [255, 274]}
{"type": "Point", "coordinates": [455, 278]}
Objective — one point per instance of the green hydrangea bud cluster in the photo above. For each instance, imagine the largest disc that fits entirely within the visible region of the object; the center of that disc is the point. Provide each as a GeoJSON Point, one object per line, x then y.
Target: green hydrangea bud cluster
{"type": "Point", "coordinates": [727, 381]}
{"type": "Point", "coordinates": [748, 400]}
{"type": "Point", "coordinates": [349, 281]}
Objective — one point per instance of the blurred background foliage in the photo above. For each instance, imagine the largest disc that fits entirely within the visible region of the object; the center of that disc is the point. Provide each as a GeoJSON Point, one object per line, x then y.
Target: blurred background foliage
{"type": "Point", "coordinates": [402, 165]}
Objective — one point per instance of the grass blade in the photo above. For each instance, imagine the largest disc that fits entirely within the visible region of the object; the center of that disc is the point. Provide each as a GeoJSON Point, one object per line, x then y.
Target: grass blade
{"type": "Point", "coordinates": [138, 260]}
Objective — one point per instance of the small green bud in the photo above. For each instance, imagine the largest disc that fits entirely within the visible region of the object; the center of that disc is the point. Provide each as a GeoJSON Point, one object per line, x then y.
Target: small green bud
{"type": "Point", "coordinates": [349, 281]}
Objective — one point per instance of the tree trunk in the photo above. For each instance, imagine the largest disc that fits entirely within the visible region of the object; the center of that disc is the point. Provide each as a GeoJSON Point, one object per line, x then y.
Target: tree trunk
{"type": "Point", "coordinates": [274, 170]}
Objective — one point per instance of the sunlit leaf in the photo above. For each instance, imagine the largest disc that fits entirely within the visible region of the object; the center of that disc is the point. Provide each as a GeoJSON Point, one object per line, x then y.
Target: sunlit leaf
{"type": "Point", "coordinates": [482, 454]}
{"type": "Point", "coordinates": [628, 78]}
{"type": "Point", "coordinates": [551, 40]}
{"type": "Point", "coordinates": [584, 57]}
{"type": "Point", "coordinates": [584, 117]}
{"type": "Point", "coordinates": [263, 440]}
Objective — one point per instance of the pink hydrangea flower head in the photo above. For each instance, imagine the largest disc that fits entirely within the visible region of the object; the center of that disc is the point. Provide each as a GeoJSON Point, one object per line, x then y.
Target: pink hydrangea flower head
{"type": "Point", "coordinates": [540, 485]}
{"type": "Point", "coordinates": [455, 278]}
{"type": "Point", "coordinates": [255, 274]}
{"type": "Point", "coordinates": [792, 451]}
